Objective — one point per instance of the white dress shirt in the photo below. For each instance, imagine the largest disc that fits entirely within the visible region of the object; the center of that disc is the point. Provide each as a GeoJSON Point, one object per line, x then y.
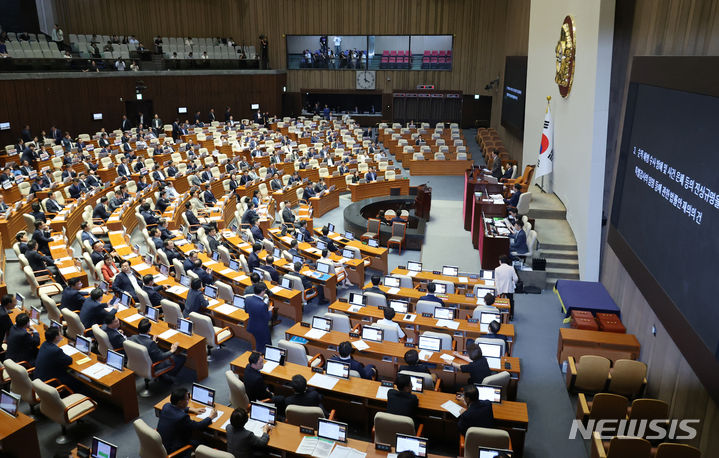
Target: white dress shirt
{"type": "Point", "coordinates": [505, 277]}
{"type": "Point", "coordinates": [391, 323]}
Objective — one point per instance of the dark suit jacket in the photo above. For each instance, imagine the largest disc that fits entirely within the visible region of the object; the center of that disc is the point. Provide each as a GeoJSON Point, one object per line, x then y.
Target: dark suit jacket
{"type": "Point", "coordinates": [72, 299]}
{"type": "Point", "coordinates": [37, 261]}
{"type": "Point", "coordinates": [175, 427]}
{"type": "Point", "coordinates": [101, 212]}
{"type": "Point", "coordinates": [309, 398]}
{"type": "Point", "coordinates": [51, 362]}
{"type": "Point", "coordinates": [116, 339]}
{"type": "Point", "coordinates": [253, 261]}
{"type": "Point", "coordinates": [257, 322]}
{"type": "Point", "coordinates": [255, 384]}
{"type": "Point", "coordinates": [156, 354]}
{"type": "Point", "coordinates": [477, 370]}
{"type": "Point", "coordinates": [150, 218]}
{"type": "Point", "coordinates": [195, 302]}
{"type": "Point", "coordinates": [402, 403]}
{"type": "Point", "coordinates": [43, 241]}
{"type": "Point", "coordinates": [122, 283]}
{"type": "Point", "coordinates": [5, 323]}
{"type": "Point", "coordinates": [273, 273]}
{"type": "Point", "coordinates": [257, 233]}
{"type": "Point", "coordinates": [433, 298]}
{"type": "Point", "coordinates": [93, 312]}
{"type": "Point", "coordinates": [497, 169]}
{"type": "Point", "coordinates": [191, 218]}
{"type": "Point", "coordinates": [330, 243]}
{"type": "Point", "coordinates": [53, 206]}
{"type": "Point", "coordinates": [244, 443]}
{"type": "Point", "coordinates": [22, 346]}
{"type": "Point", "coordinates": [416, 368]}
{"type": "Point", "coordinates": [287, 215]}
{"type": "Point", "coordinates": [479, 413]}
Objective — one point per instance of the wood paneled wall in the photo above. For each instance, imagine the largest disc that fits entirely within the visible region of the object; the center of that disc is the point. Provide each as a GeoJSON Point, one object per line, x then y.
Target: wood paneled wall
{"type": "Point", "coordinates": [646, 27]}
{"type": "Point", "coordinates": [485, 31]}
{"type": "Point", "coordinates": [70, 102]}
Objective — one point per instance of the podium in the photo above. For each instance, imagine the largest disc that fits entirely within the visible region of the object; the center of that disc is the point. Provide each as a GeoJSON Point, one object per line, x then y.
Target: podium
{"type": "Point", "coordinates": [474, 182]}
{"type": "Point", "coordinates": [423, 201]}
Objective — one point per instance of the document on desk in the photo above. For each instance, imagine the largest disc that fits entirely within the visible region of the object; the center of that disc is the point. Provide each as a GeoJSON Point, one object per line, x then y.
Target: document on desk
{"type": "Point", "coordinates": [453, 408]}
{"type": "Point", "coordinates": [487, 275]}
{"type": "Point", "coordinates": [447, 357]}
{"type": "Point", "coordinates": [212, 302]}
{"type": "Point", "coordinates": [159, 277]}
{"type": "Point", "coordinates": [181, 242]}
{"type": "Point", "coordinates": [68, 270]}
{"type": "Point", "coordinates": [97, 371]}
{"type": "Point", "coordinates": [489, 283]}
{"type": "Point", "coordinates": [323, 448]}
{"type": "Point", "coordinates": [206, 414]}
{"type": "Point", "coordinates": [276, 289]}
{"type": "Point", "coordinates": [424, 355]}
{"type": "Point", "coordinates": [382, 392]}
{"type": "Point", "coordinates": [315, 334]}
{"type": "Point", "coordinates": [307, 446]}
{"type": "Point", "coordinates": [177, 289]}
{"type": "Point", "coordinates": [393, 291]}
{"type": "Point", "coordinates": [269, 367]}
{"type": "Point", "coordinates": [167, 334]}
{"type": "Point", "coordinates": [141, 266]}
{"type": "Point", "coordinates": [225, 309]}
{"type": "Point", "coordinates": [323, 381]}
{"type": "Point", "coordinates": [463, 279]}
{"type": "Point", "coordinates": [354, 308]}
{"type": "Point", "coordinates": [340, 451]}
{"type": "Point", "coordinates": [241, 278]}
{"type": "Point", "coordinates": [412, 273]}
{"type": "Point", "coordinates": [360, 345]}
{"type": "Point", "coordinates": [133, 318]}
{"type": "Point", "coordinates": [409, 317]}
{"type": "Point", "coordinates": [68, 349]}
{"type": "Point", "coordinates": [227, 271]}
{"type": "Point", "coordinates": [450, 324]}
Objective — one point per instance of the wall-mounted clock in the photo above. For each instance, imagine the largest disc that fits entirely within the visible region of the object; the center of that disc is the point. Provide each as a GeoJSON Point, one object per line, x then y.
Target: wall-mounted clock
{"type": "Point", "coordinates": [366, 79]}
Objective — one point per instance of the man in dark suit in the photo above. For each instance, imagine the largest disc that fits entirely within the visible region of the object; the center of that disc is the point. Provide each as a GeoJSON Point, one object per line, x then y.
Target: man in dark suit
{"type": "Point", "coordinates": [249, 215]}
{"type": "Point", "coordinates": [158, 174]}
{"type": "Point", "coordinates": [478, 368]}
{"type": "Point", "coordinates": [244, 443]}
{"type": "Point", "coordinates": [255, 385]}
{"type": "Point", "coordinates": [302, 396]}
{"type": "Point", "coordinates": [260, 316]}
{"type": "Point", "coordinates": [100, 210]}
{"type": "Point", "coordinates": [209, 196]}
{"type": "Point", "coordinates": [74, 189]}
{"type": "Point", "coordinates": [196, 301]}
{"type": "Point", "coordinates": [211, 232]}
{"type": "Point", "coordinates": [308, 192]}
{"type": "Point", "coordinates": [270, 269]}
{"type": "Point", "coordinates": [478, 413]}
{"type": "Point", "coordinates": [52, 362]}
{"type": "Point", "coordinates": [156, 125]}
{"type": "Point", "coordinates": [125, 281]}
{"type": "Point", "coordinates": [211, 115]}
{"type": "Point", "coordinates": [371, 175]}
{"type": "Point", "coordinates": [26, 134]}
{"type": "Point", "coordinates": [175, 425]}
{"type": "Point", "coordinates": [253, 260]}
{"type": "Point", "coordinates": [496, 165]}
{"type": "Point", "coordinates": [514, 198]}
{"type": "Point", "coordinates": [93, 311]}
{"type": "Point", "coordinates": [103, 142]}
{"type": "Point", "coordinates": [345, 355]}
{"type": "Point", "coordinates": [171, 170]}
{"type": "Point", "coordinates": [148, 215]}
{"type": "Point", "coordinates": [191, 218]}
{"type": "Point", "coordinates": [39, 262]}
{"type": "Point", "coordinates": [114, 334]}
{"type": "Point", "coordinates": [123, 169]}
{"type": "Point", "coordinates": [228, 113]}
{"type": "Point", "coordinates": [55, 134]}
{"type": "Point", "coordinates": [52, 205]}
{"type": "Point", "coordinates": [375, 279]}
{"type": "Point", "coordinates": [431, 288]}
{"type": "Point", "coordinates": [411, 358]}
{"type": "Point", "coordinates": [22, 341]}
{"type": "Point", "coordinates": [42, 237]}
{"type": "Point", "coordinates": [156, 354]}
{"type": "Point", "coordinates": [325, 238]}
{"type": "Point", "coordinates": [125, 124]}
{"type": "Point", "coordinates": [152, 290]}
{"type": "Point", "coordinates": [402, 401]}
{"type": "Point", "coordinates": [8, 303]}
{"type": "Point", "coordinates": [86, 234]}
{"type": "Point", "coordinates": [256, 230]}
{"type": "Point", "coordinates": [72, 298]}
{"type": "Point", "coordinates": [28, 155]}
{"type": "Point", "coordinates": [275, 183]}
{"type": "Point", "coordinates": [287, 214]}
{"type": "Point", "coordinates": [306, 236]}
{"type": "Point", "coordinates": [518, 239]}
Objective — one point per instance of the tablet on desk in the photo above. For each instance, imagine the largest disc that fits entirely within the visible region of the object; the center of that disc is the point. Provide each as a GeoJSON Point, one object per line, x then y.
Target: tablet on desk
{"type": "Point", "coordinates": [490, 350]}
{"type": "Point", "coordinates": [9, 402]}
{"type": "Point", "coordinates": [323, 324]}
{"type": "Point", "coordinates": [34, 315]}
{"type": "Point", "coordinates": [349, 236]}
{"type": "Point", "coordinates": [338, 369]}
{"type": "Point", "coordinates": [277, 253]}
{"type": "Point", "coordinates": [286, 283]}
{"type": "Point", "coordinates": [211, 291]}
{"type": "Point", "coordinates": [103, 286]}
{"type": "Point", "coordinates": [444, 313]}
{"type": "Point", "coordinates": [275, 354]}
{"type": "Point", "coordinates": [102, 449]}
{"type": "Point", "coordinates": [296, 259]}
{"type": "Point", "coordinates": [331, 227]}
{"type": "Point", "coordinates": [429, 343]}
{"type": "Point", "coordinates": [184, 326]}
{"type": "Point", "coordinates": [374, 243]}
{"type": "Point", "coordinates": [234, 265]}
{"type": "Point", "coordinates": [414, 266]}
{"type": "Point", "coordinates": [332, 430]}
{"type": "Point", "coordinates": [185, 281]}
{"type": "Point", "coordinates": [440, 288]}
{"type": "Point", "coordinates": [489, 393]}
{"type": "Point", "coordinates": [357, 299]}
{"type": "Point", "coordinates": [415, 444]}
{"type": "Point", "coordinates": [323, 267]}
{"type": "Point", "coordinates": [115, 360]}
{"type": "Point", "coordinates": [391, 282]}
{"type": "Point", "coordinates": [263, 413]}
{"type": "Point", "coordinates": [82, 344]}
{"type": "Point", "coordinates": [417, 383]}
{"type": "Point", "coordinates": [372, 334]}
{"type": "Point", "coordinates": [485, 452]}
{"type": "Point", "coordinates": [349, 254]}
{"type": "Point", "coordinates": [399, 306]}
{"type": "Point", "coordinates": [321, 245]}
{"type": "Point", "coordinates": [450, 271]}
{"type": "Point", "coordinates": [152, 314]}
{"type": "Point", "coordinates": [203, 395]}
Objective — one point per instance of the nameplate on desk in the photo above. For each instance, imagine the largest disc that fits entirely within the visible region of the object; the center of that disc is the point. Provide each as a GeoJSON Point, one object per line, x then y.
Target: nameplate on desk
{"type": "Point", "coordinates": [383, 447]}
{"type": "Point", "coordinates": [343, 300]}
{"type": "Point", "coordinates": [436, 272]}
{"type": "Point", "coordinates": [387, 359]}
{"type": "Point", "coordinates": [317, 369]}
{"type": "Point", "coordinates": [354, 334]}
{"type": "Point", "coordinates": [304, 325]}
{"type": "Point", "coordinates": [448, 368]}
{"type": "Point", "coordinates": [472, 320]}
{"type": "Point", "coordinates": [387, 383]}
{"type": "Point", "coordinates": [306, 430]}
{"type": "Point", "coordinates": [409, 344]}
{"type": "Point", "coordinates": [469, 294]}
{"type": "Point", "coordinates": [427, 315]}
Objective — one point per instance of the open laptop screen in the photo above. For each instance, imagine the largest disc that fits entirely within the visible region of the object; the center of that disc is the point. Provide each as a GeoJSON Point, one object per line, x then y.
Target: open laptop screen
{"type": "Point", "coordinates": [332, 430]}
{"type": "Point", "coordinates": [399, 306]}
{"type": "Point", "coordinates": [391, 282]}
{"type": "Point", "coordinates": [414, 266]}
{"type": "Point", "coordinates": [415, 444]}
{"type": "Point", "coordinates": [429, 343]}
{"type": "Point", "coordinates": [324, 324]}
{"type": "Point", "coordinates": [451, 271]}
{"type": "Point", "coordinates": [184, 326]}
{"type": "Point", "coordinates": [115, 360]}
{"type": "Point", "coordinates": [372, 334]}
{"type": "Point", "coordinates": [9, 402]}
{"type": "Point", "coordinates": [102, 449]}
{"type": "Point", "coordinates": [338, 369]}
{"type": "Point", "coordinates": [489, 393]}
{"type": "Point", "coordinates": [263, 413]}
{"type": "Point", "coordinates": [203, 395]}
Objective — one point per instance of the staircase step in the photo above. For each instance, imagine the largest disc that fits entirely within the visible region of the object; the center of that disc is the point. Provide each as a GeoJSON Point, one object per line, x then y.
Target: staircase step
{"type": "Point", "coordinates": [562, 263]}
{"type": "Point", "coordinates": [540, 213]}
{"type": "Point", "coordinates": [555, 253]}
{"type": "Point", "coordinates": [566, 273]}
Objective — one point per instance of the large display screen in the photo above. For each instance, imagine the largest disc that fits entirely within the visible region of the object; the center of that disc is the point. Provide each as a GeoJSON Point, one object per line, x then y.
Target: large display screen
{"type": "Point", "coordinates": [665, 213]}
{"type": "Point", "coordinates": [513, 94]}
{"type": "Point", "coordinates": [369, 52]}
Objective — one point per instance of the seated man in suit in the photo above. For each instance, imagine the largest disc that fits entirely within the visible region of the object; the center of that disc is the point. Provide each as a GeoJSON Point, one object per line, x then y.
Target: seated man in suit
{"type": "Point", "coordinates": [148, 215]}
{"type": "Point", "coordinates": [308, 192]}
{"type": "Point", "coordinates": [86, 235]}
{"type": "Point", "coordinates": [37, 213]}
{"type": "Point", "coordinates": [325, 238]}
{"type": "Point", "coordinates": [196, 300]}
{"type": "Point", "coordinates": [171, 252]}
{"type": "Point", "coordinates": [163, 202]}
{"type": "Point", "coordinates": [255, 385]}
{"type": "Point", "coordinates": [375, 279]}
{"type": "Point", "coordinates": [125, 281]}
{"type": "Point", "coordinates": [189, 262]}
{"type": "Point", "coordinates": [431, 288]}
{"type": "Point", "coordinates": [156, 354]}
{"type": "Point", "coordinates": [294, 251]}
{"type": "Point", "coordinates": [52, 362]}
{"type": "Point", "coordinates": [514, 198]}
{"type": "Point", "coordinates": [52, 205]}
{"type": "Point", "coordinates": [22, 341]}
{"type": "Point", "coordinates": [39, 262]}
{"type": "Point", "coordinates": [518, 239]}
{"type": "Point", "coordinates": [152, 290]}
{"type": "Point", "coordinates": [307, 284]}
{"type": "Point", "coordinates": [274, 275]}
{"type": "Point", "coordinates": [93, 311]}
{"type": "Point", "coordinates": [113, 331]}
{"type": "Point", "coordinates": [306, 235]}
{"type": "Point", "coordinates": [411, 358]}
{"type": "Point", "coordinates": [256, 230]}
{"type": "Point", "coordinates": [42, 237]}
{"type": "Point", "coordinates": [402, 401]}
{"type": "Point", "coordinates": [303, 396]}
{"type": "Point", "coordinates": [209, 196]}
{"type": "Point", "coordinates": [250, 214]}
{"type": "Point", "coordinates": [253, 260]}
{"type": "Point", "coordinates": [496, 165]}
{"type": "Point", "coordinates": [275, 183]}
{"type": "Point", "coordinates": [75, 190]}
{"type": "Point", "coordinates": [211, 232]}
{"type": "Point", "coordinates": [203, 273]}
{"type": "Point", "coordinates": [192, 219]}
{"type": "Point", "coordinates": [345, 356]}
{"type": "Point", "coordinates": [371, 175]}
{"type": "Point", "coordinates": [175, 425]}
{"type": "Point", "coordinates": [156, 237]}
{"type": "Point", "coordinates": [244, 443]}
{"type": "Point", "coordinates": [478, 413]}
{"type": "Point", "coordinates": [100, 211]}
{"type": "Point", "coordinates": [21, 239]}
{"type": "Point", "coordinates": [72, 298]}
{"type": "Point", "coordinates": [98, 252]}
{"type": "Point", "coordinates": [287, 215]}
{"type": "Point", "coordinates": [478, 368]}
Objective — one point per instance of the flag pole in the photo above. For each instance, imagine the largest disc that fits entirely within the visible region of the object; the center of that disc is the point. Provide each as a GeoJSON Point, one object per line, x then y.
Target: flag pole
{"type": "Point", "coordinates": [549, 97]}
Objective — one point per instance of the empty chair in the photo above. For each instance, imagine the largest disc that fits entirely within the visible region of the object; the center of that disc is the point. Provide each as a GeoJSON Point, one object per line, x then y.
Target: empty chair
{"type": "Point", "coordinates": [424, 306]}
{"type": "Point", "coordinates": [36, 288]}
{"type": "Point", "coordinates": [500, 379]}
{"type": "Point", "coordinates": [53, 312]}
{"type": "Point", "coordinates": [340, 322]}
{"type": "Point", "coordinates": [477, 437]}
{"type": "Point", "coordinates": [376, 299]}
{"type": "Point", "coordinates": [372, 232]}
{"type": "Point", "coordinates": [238, 393]}
{"type": "Point", "coordinates": [648, 409]}
{"type": "Point", "coordinates": [387, 426]}
{"type": "Point", "coordinates": [171, 312]}
{"type": "Point", "coordinates": [589, 375]}
{"type": "Point", "coordinates": [20, 383]}
{"type": "Point", "coordinates": [304, 415]}
{"type": "Point", "coordinates": [670, 450]}
{"type": "Point", "coordinates": [297, 354]}
{"type": "Point", "coordinates": [627, 377]}
{"type": "Point", "coordinates": [214, 336]}
{"type": "Point", "coordinates": [138, 361]}
{"type": "Point", "coordinates": [427, 380]}
{"type": "Point", "coordinates": [621, 447]}
{"type": "Point", "coordinates": [398, 236]}
{"type": "Point", "coordinates": [203, 451]}
{"type": "Point", "coordinates": [448, 284]}
{"type": "Point", "coordinates": [604, 406]}
{"type": "Point", "coordinates": [74, 324]}
{"type": "Point", "coordinates": [64, 411]}
{"type": "Point", "coordinates": [151, 442]}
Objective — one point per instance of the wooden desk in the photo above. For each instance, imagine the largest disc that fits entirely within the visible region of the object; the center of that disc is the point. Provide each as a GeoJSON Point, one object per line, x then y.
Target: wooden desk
{"type": "Point", "coordinates": [490, 246]}
{"type": "Point", "coordinates": [612, 345]}
{"type": "Point", "coordinates": [15, 223]}
{"type": "Point", "coordinates": [18, 436]}
{"type": "Point", "coordinates": [466, 281]}
{"type": "Point", "coordinates": [484, 208]}
{"type": "Point", "coordinates": [355, 401]}
{"type": "Point", "coordinates": [325, 203]}
{"type": "Point", "coordinates": [361, 191]}
{"type": "Point", "coordinates": [438, 167]}
{"type": "Point", "coordinates": [376, 256]}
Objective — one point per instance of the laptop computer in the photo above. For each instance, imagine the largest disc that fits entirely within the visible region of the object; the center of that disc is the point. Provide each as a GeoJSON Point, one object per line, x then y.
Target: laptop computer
{"type": "Point", "coordinates": [211, 291]}
{"type": "Point", "coordinates": [338, 369]}
{"type": "Point", "coordinates": [372, 334]}
{"type": "Point", "coordinates": [331, 227]}
{"type": "Point", "coordinates": [152, 314]}
{"type": "Point", "coordinates": [349, 254]}
{"type": "Point", "coordinates": [374, 243]}
{"type": "Point", "coordinates": [275, 354]}
{"type": "Point", "coordinates": [332, 430]}
{"type": "Point", "coordinates": [323, 267]}
{"type": "Point", "coordinates": [83, 344]}
{"type": "Point", "coordinates": [185, 281]}
{"type": "Point", "coordinates": [486, 452]}
{"type": "Point", "coordinates": [406, 443]}
{"type": "Point", "coordinates": [203, 395]}
{"type": "Point", "coordinates": [321, 245]}
{"type": "Point", "coordinates": [417, 383]}
{"type": "Point", "coordinates": [102, 449]}
{"type": "Point", "coordinates": [115, 360]}
{"type": "Point", "coordinates": [440, 288]}
{"type": "Point", "coordinates": [489, 393]}
{"type": "Point", "coordinates": [34, 315]}
{"type": "Point", "coordinates": [349, 236]}
{"type": "Point", "coordinates": [286, 283]}
{"type": "Point", "coordinates": [444, 313]}
{"type": "Point", "coordinates": [297, 259]}
{"type": "Point", "coordinates": [429, 343]}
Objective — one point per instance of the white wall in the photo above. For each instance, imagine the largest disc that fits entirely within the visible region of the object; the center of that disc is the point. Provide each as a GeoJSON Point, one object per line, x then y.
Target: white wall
{"type": "Point", "coordinates": [580, 120]}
